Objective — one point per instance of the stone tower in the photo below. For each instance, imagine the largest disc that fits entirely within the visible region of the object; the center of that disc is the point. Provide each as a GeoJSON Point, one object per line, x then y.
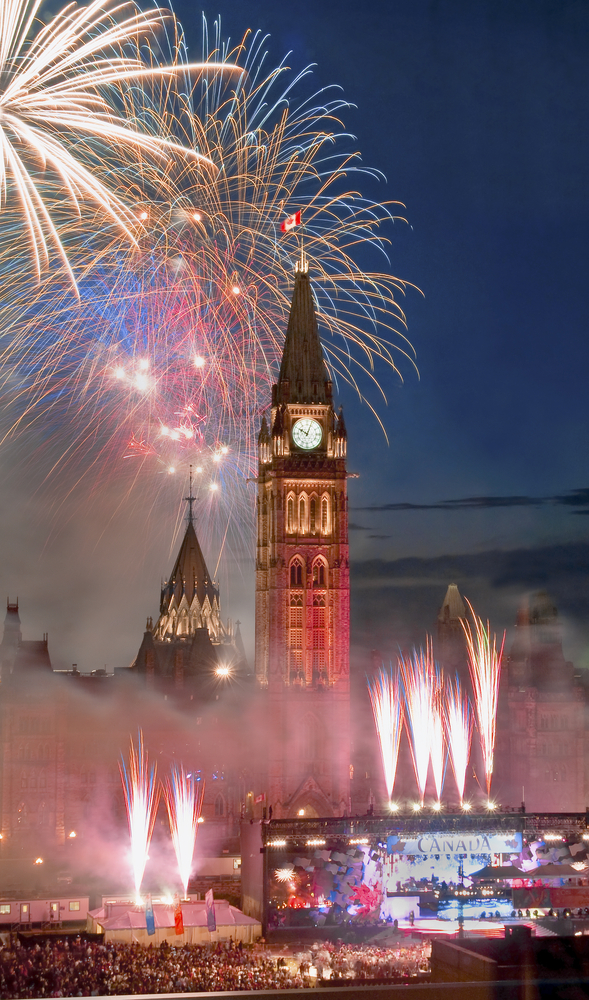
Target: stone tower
{"type": "Point", "coordinates": [302, 578]}
{"type": "Point", "coordinates": [189, 647]}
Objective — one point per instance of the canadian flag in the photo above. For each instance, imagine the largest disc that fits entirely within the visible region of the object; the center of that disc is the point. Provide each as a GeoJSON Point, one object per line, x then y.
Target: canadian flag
{"type": "Point", "coordinates": [291, 222]}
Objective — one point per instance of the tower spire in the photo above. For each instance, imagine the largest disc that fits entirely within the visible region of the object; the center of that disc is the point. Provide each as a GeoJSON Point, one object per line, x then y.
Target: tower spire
{"type": "Point", "coordinates": [190, 500]}
{"type": "Point", "coordinates": [303, 376]}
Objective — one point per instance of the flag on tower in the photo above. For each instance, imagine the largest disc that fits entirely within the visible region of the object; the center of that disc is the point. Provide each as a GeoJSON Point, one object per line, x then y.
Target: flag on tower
{"type": "Point", "coordinates": [291, 222]}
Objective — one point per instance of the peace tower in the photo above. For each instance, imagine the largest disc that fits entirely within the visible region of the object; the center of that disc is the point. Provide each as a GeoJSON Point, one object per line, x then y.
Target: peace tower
{"type": "Point", "coordinates": [302, 578]}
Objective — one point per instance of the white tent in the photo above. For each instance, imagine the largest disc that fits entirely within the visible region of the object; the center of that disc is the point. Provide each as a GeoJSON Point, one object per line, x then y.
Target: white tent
{"type": "Point", "coordinates": [126, 922]}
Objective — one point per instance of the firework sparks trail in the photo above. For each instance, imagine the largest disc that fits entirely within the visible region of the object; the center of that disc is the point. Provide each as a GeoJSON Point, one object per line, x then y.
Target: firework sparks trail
{"type": "Point", "coordinates": [418, 675]}
{"type": "Point", "coordinates": [184, 797]}
{"type": "Point", "coordinates": [385, 698]}
{"type": "Point", "coordinates": [171, 351]}
{"type": "Point", "coordinates": [438, 741]}
{"type": "Point", "coordinates": [66, 141]}
{"type": "Point", "coordinates": [458, 722]}
{"type": "Point", "coordinates": [141, 800]}
{"type": "Point", "coordinates": [485, 671]}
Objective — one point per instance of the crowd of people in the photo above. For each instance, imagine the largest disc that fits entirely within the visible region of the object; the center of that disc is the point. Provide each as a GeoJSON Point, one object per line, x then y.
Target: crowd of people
{"type": "Point", "coordinates": [353, 961]}
{"type": "Point", "coordinates": [82, 969]}
{"type": "Point", "coordinates": [89, 968]}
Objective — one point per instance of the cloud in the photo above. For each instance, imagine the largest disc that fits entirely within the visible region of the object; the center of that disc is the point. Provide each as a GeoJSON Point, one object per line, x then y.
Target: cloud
{"type": "Point", "coordinates": [395, 602]}
{"type": "Point", "coordinates": [357, 527]}
{"type": "Point", "coordinates": [573, 498]}
{"type": "Point", "coordinates": [380, 536]}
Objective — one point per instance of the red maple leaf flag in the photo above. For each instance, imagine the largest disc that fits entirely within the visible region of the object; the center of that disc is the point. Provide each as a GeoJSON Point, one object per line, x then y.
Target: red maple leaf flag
{"type": "Point", "coordinates": [291, 222]}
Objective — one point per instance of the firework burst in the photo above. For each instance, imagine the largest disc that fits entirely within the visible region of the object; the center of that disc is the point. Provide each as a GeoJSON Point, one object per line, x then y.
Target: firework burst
{"type": "Point", "coordinates": [438, 741]}
{"type": "Point", "coordinates": [203, 302]}
{"type": "Point", "coordinates": [484, 661]}
{"type": "Point", "coordinates": [458, 721]}
{"type": "Point", "coordinates": [418, 675]}
{"type": "Point", "coordinates": [385, 698]}
{"type": "Point", "coordinates": [67, 145]}
{"type": "Point", "coordinates": [184, 797]}
{"type": "Point", "coordinates": [141, 800]}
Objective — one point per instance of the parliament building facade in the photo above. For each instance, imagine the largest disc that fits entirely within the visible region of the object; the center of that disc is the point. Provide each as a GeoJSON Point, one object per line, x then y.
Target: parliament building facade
{"type": "Point", "coordinates": [278, 738]}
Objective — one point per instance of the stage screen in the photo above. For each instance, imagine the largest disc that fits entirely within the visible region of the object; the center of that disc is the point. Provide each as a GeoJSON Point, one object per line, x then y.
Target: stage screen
{"type": "Point", "coordinates": [365, 880]}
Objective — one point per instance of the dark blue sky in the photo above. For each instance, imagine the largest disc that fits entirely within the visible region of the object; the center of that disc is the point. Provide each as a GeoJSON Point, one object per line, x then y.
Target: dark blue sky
{"type": "Point", "coordinates": [477, 114]}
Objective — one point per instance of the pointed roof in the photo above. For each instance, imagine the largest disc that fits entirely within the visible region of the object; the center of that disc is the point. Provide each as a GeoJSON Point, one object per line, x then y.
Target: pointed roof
{"type": "Point", "coordinates": [190, 574]}
{"type": "Point", "coordinates": [303, 377]}
{"type": "Point", "coordinates": [453, 606]}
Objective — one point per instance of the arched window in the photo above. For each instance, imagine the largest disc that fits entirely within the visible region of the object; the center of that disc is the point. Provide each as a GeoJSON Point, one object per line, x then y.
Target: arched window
{"type": "Point", "coordinates": [312, 515]}
{"type": "Point", "coordinates": [302, 515]}
{"type": "Point", "coordinates": [319, 574]}
{"type": "Point", "coordinates": [42, 779]}
{"type": "Point", "coordinates": [320, 638]}
{"type": "Point", "coordinates": [295, 633]}
{"type": "Point", "coordinates": [290, 518]}
{"type": "Point", "coordinates": [296, 573]}
{"type": "Point", "coordinates": [219, 806]}
{"type": "Point", "coordinates": [23, 779]}
{"type": "Point", "coordinates": [325, 515]}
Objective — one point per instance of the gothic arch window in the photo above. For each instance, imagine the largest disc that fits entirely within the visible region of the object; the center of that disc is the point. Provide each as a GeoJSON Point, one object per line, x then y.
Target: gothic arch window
{"type": "Point", "coordinates": [42, 779]}
{"type": "Point", "coordinates": [42, 814]}
{"type": "Point", "coordinates": [290, 515]}
{"type": "Point", "coordinates": [313, 515]}
{"type": "Point", "coordinates": [319, 574]}
{"type": "Point", "coordinates": [320, 636]}
{"type": "Point", "coordinates": [325, 515]}
{"type": "Point", "coordinates": [295, 633]}
{"type": "Point", "coordinates": [547, 774]}
{"type": "Point", "coordinates": [296, 573]}
{"type": "Point", "coordinates": [21, 752]}
{"type": "Point", "coordinates": [23, 779]}
{"type": "Point", "coordinates": [27, 752]}
{"type": "Point", "coordinates": [33, 782]}
{"type": "Point", "coordinates": [302, 515]}
{"type": "Point", "coordinates": [219, 806]}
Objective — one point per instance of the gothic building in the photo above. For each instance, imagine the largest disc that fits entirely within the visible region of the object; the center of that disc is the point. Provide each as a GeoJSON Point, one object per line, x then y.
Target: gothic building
{"type": "Point", "coordinates": [541, 737]}
{"type": "Point", "coordinates": [189, 646]}
{"type": "Point", "coordinates": [302, 578]}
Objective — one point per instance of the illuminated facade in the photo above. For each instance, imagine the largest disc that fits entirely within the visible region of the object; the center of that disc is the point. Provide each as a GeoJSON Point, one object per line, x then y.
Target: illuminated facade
{"type": "Point", "coordinates": [302, 578]}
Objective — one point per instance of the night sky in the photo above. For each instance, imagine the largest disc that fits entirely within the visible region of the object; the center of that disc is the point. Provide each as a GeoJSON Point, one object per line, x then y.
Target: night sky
{"type": "Point", "coordinates": [476, 113]}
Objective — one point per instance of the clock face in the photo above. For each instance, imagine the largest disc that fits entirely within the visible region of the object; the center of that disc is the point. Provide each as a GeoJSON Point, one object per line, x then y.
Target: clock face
{"type": "Point", "coordinates": [307, 433]}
